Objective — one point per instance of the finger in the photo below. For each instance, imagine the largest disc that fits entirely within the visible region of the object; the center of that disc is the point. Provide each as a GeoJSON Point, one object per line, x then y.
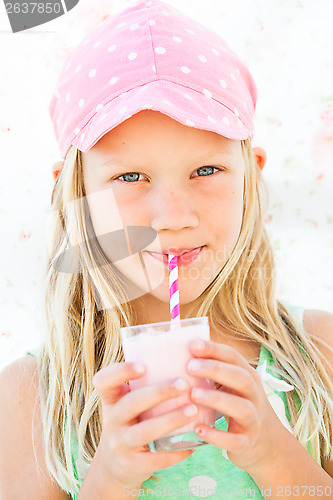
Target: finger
{"type": "Point", "coordinates": [225, 440]}
{"type": "Point", "coordinates": [231, 376]}
{"type": "Point", "coordinates": [220, 352]}
{"type": "Point", "coordinates": [144, 398]}
{"type": "Point", "coordinates": [240, 409]}
{"type": "Point", "coordinates": [109, 381]}
{"type": "Point", "coordinates": [162, 460]}
{"type": "Point", "coordinates": [154, 428]}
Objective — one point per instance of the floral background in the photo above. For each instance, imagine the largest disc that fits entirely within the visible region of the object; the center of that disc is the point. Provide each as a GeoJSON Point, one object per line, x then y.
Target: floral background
{"type": "Point", "coordinates": [288, 46]}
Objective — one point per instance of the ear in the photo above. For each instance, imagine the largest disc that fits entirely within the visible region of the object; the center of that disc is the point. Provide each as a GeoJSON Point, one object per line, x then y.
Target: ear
{"type": "Point", "coordinates": [56, 169]}
{"type": "Point", "coordinates": [260, 157]}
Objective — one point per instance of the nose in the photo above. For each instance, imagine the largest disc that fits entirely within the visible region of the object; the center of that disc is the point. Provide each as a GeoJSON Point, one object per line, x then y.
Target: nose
{"type": "Point", "coordinates": [173, 209]}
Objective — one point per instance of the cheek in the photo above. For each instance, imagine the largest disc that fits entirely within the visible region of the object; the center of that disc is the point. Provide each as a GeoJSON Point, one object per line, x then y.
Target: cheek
{"type": "Point", "coordinates": [104, 211]}
{"type": "Point", "coordinates": [228, 205]}
{"type": "Point", "coordinates": [228, 221]}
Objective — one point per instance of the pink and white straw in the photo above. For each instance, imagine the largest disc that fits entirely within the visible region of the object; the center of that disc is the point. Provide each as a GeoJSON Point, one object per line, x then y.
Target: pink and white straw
{"type": "Point", "coordinates": [173, 286]}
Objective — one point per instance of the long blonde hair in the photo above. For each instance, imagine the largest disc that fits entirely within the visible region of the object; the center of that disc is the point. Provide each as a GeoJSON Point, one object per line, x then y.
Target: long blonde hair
{"type": "Point", "coordinates": [82, 338]}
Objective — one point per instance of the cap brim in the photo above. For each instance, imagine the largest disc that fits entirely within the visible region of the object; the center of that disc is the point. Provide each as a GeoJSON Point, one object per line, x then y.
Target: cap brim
{"type": "Point", "coordinates": [187, 106]}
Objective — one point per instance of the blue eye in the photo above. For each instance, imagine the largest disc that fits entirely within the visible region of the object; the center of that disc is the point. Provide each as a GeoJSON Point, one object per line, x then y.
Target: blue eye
{"type": "Point", "coordinates": [135, 176]}
{"type": "Point", "coordinates": [132, 176]}
{"type": "Point", "coordinates": [207, 171]}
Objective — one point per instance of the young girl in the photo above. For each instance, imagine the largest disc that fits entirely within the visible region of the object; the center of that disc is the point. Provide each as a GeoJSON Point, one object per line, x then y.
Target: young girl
{"type": "Point", "coordinates": [153, 114]}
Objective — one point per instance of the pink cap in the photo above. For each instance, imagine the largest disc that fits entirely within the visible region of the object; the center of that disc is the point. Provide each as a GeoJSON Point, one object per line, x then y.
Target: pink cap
{"type": "Point", "coordinates": [151, 56]}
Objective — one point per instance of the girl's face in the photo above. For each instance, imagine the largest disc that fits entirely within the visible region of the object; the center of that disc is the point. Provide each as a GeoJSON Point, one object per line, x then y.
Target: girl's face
{"type": "Point", "coordinates": [185, 183]}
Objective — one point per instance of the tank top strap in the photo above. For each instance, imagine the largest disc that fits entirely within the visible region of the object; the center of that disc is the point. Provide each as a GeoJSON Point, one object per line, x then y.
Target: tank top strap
{"type": "Point", "coordinates": [297, 313]}
{"type": "Point", "coordinates": [34, 351]}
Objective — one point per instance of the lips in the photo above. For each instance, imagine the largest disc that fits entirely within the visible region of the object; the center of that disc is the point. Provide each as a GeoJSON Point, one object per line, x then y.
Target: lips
{"type": "Point", "coordinates": [185, 257]}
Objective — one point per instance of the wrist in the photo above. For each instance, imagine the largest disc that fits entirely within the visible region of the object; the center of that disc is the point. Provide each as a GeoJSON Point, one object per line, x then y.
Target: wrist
{"type": "Point", "coordinates": [274, 457]}
{"type": "Point", "coordinates": [106, 474]}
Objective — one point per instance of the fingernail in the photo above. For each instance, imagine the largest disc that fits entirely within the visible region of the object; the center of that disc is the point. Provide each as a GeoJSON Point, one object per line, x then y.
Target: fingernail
{"type": "Point", "coordinates": [180, 384]}
{"type": "Point", "coordinates": [138, 367]}
{"type": "Point", "coordinates": [190, 411]}
{"type": "Point", "coordinates": [198, 393]}
{"type": "Point", "coordinates": [199, 345]}
{"type": "Point", "coordinates": [194, 365]}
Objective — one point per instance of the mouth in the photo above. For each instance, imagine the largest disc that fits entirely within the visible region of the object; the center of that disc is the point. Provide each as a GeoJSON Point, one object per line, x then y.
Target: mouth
{"type": "Point", "coordinates": [184, 257]}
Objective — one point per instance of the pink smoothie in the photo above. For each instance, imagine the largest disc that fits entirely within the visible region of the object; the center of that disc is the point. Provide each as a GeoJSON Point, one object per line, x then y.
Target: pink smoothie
{"type": "Point", "coordinates": [166, 355]}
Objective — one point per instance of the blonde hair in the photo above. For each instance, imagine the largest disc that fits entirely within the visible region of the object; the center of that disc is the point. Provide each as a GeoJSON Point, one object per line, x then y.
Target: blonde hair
{"type": "Point", "coordinates": [83, 338]}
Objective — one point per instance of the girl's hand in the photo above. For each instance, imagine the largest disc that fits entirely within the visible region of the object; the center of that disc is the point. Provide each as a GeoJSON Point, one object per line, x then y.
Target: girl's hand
{"type": "Point", "coordinates": [254, 430]}
{"type": "Point", "coordinates": [123, 437]}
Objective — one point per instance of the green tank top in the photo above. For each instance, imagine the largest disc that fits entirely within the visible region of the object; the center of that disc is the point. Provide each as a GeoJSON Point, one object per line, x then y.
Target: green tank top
{"type": "Point", "coordinates": [208, 472]}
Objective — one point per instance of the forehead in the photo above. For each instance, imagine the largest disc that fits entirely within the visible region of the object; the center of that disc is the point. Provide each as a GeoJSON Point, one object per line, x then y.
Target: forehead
{"type": "Point", "coordinates": [149, 132]}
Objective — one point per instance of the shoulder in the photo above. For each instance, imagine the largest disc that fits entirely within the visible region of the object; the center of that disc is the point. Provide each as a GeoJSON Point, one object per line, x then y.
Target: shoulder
{"type": "Point", "coordinates": [19, 378]}
{"type": "Point", "coordinates": [22, 462]}
{"type": "Point", "coordinates": [319, 324]}
{"type": "Point", "coordinates": [24, 365]}
{"type": "Point", "coordinates": [19, 381]}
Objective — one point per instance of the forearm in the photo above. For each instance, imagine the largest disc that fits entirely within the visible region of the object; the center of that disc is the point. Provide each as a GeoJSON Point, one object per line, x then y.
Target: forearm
{"type": "Point", "coordinates": [99, 484]}
{"type": "Point", "coordinates": [292, 472]}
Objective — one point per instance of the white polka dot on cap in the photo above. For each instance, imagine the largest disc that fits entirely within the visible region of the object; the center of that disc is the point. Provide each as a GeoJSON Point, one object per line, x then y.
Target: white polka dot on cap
{"type": "Point", "coordinates": [208, 93]}
{"type": "Point", "coordinates": [123, 110]}
{"type": "Point", "coordinates": [151, 56]}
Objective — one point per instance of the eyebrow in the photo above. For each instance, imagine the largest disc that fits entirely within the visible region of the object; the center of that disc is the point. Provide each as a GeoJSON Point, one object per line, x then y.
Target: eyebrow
{"type": "Point", "coordinates": [110, 161]}
{"type": "Point", "coordinates": [211, 155]}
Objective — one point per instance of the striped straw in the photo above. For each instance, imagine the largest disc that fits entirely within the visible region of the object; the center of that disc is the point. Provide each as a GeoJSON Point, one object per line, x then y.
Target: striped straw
{"type": "Point", "coordinates": [173, 285]}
